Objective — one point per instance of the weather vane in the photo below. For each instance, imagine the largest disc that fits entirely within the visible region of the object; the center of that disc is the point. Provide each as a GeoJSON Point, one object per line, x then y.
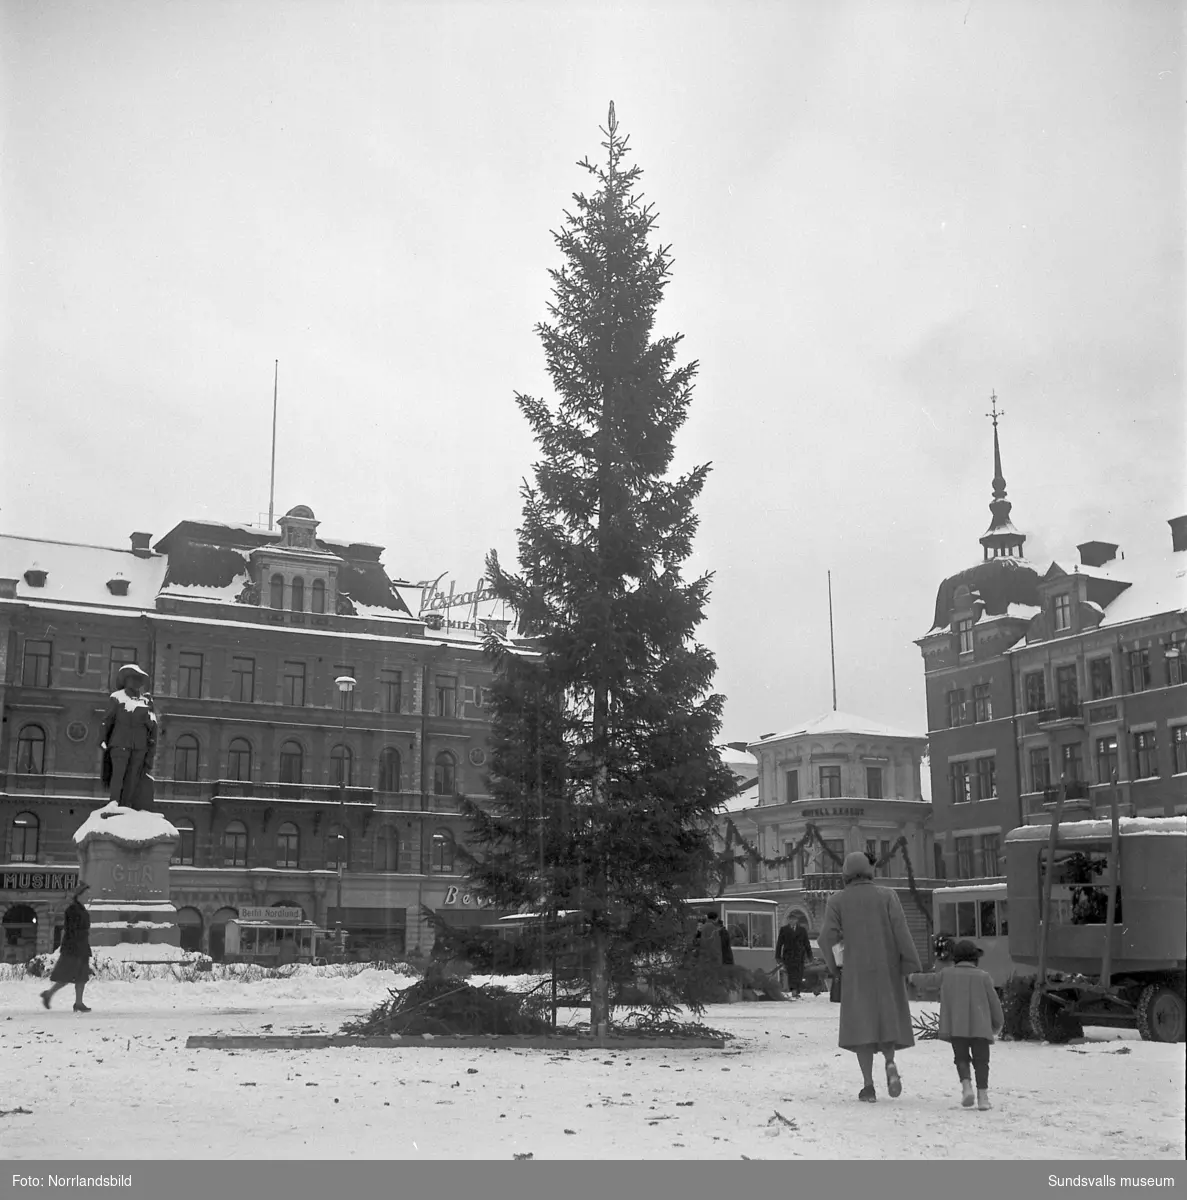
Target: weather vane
{"type": "Point", "coordinates": [994, 413]}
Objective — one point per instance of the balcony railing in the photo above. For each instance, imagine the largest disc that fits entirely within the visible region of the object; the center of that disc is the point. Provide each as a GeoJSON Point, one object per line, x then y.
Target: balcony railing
{"type": "Point", "coordinates": [1066, 713]}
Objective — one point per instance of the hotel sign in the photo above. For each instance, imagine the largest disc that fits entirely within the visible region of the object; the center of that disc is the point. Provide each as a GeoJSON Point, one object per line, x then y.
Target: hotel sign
{"type": "Point", "coordinates": [38, 881]}
{"type": "Point", "coordinates": [832, 812]}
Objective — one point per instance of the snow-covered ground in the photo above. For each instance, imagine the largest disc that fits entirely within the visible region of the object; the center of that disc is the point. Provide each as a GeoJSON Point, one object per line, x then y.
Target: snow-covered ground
{"type": "Point", "coordinates": [118, 1083]}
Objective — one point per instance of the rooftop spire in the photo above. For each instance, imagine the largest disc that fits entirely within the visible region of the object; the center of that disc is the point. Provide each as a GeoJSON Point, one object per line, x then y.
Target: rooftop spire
{"type": "Point", "coordinates": [1001, 539]}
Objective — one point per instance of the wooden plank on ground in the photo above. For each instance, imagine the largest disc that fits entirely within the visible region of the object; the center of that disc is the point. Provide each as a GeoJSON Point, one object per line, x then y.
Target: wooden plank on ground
{"type": "Point", "coordinates": [324, 1041]}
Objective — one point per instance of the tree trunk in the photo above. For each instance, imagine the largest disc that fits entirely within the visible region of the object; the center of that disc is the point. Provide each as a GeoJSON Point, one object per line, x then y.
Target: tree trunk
{"type": "Point", "coordinates": [599, 987]}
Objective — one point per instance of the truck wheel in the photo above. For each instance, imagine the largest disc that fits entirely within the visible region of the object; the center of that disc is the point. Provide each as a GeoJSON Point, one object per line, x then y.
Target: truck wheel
{"type": "Point", "coordinates": [1051, 1023]}
{"type": "Point", "coordinates": [1162, 1014]}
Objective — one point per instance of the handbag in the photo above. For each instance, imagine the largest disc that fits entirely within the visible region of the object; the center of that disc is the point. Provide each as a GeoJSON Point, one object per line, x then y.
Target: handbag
{"type": "Point", "coordinates": [834, 988]}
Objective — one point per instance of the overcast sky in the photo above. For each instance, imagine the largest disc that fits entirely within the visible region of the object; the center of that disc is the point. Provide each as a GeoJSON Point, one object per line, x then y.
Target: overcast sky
{"type": "Point", "coordinates": [879, 214]}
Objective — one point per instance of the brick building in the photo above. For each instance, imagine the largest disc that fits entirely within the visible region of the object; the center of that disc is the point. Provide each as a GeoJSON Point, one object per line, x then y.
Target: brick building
{"type": "Point", "coordinates": [245, 634]}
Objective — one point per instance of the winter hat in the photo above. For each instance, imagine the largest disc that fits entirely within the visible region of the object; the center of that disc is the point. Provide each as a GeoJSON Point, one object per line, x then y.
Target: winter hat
{"type": "Point", "coordinates": [857, 866]}
{"type": "Point", "coordinates": [129, 669]}
{"type": "Point", "coordinates": [966, 951]}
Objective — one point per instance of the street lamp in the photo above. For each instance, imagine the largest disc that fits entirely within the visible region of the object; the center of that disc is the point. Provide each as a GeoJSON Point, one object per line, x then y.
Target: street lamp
{"type": "Point", "coordinates": [345, 685]}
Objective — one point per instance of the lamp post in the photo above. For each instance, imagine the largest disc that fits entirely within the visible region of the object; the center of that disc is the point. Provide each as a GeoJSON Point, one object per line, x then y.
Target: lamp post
{"type": "Point", "coordinates": [345, 685]}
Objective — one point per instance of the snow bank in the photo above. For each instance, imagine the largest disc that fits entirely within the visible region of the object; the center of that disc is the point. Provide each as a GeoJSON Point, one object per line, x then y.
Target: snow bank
{"type": "Point", "coordinates": [1127, 826]}
{"type": "Point", "coordinates": [127, 826]}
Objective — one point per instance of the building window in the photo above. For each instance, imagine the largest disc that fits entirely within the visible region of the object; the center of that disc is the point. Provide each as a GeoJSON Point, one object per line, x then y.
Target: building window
{"type": "Point", "coordinates": [337, 849]}
{"type": "Point", "coordinates": [986, 778]}
{"type": "Point", "coordinates": [792, 779]}
{"type": "Point", "coordinates": [753, 870]}
{"type": "Point", "coordinates": [185, 759]}
{"type": "Point", "coordinates": [1040, 769]}
{"type": "Point", "coordinates": [1179, 749]}
{"type": "Point", "coordinates": [183, 851]}
{"type": "Point", "coordinates": [443, 774]}
{"type": "Point", "coordinates": [991, 854]}
{"type": "Point", "coordinates": [956, 708]}
{"type": "Point", "coordinates": [276, 597]}
{"type": "Point", "coordinates": [297, 596]}
{"type": "Point", "coordinates": [964, 630]}
{"type": "Point", "coordinates": [1100, 673]}
{"type": "Point", "coordinates": [962, 782]}
{"type": "Point", "coordinates": [288, 846]}
{"type": "Point", "coordinates": [1145, 755]}
{"type": "Point", "coordinates": [874, 783]}
{"type": "Point", "coordinates": [794, 867]}
{"type": "Point", "coordinates": [964, 858]}
{"type": "Point", "coordinates": [239, 760]}
{"type": "Point", "coordinates": [447, 695]}
{"type": "Point", "coordinates": [387, 849]}
{"type": "Point", "coordinates": [1175, 658]}
{"type": "Point", "coordinates": [830, 782]}
{"type": "Point", "coordinates": [319, 596]}
{"type": "Point", "coordinates": [1106, 759]}
{"type": "Point", "coordinates": [982, 703]}
{"type": "Point", "coordinates": [294, 684]}
{"type": "Point", "coordinates": [35, 672]}
{"type": "Point", "coordinates": [121, 656]}
{"type": "Point", "coordinates": [392, 684]}
{"type": "Point", "coordinates": [341, 762]}
{"type": "Point", "coordinates": [345, 695]}
{"type": "Point", "coordinates": [189, 675]}
{"type": "Point", "coordinates": [235, 845]}
{"type": "Point", "coordinates": [389, 770]}
{"type": "Point", "coordinates": [30, 751]}
{"type": "Point", "coordinates": [1063, 613]}
{"type": "Point", "coordinates": [1067, 690]}
{"type": "Point", "coordinates": [1035, 687]}
{"type": "Point", "coordinates": [938, 864]}
{"type": "Point", "coordinates": [292, 763]}
{"type": "Point", "coordinates": [243, 680]}
{"type": "Point", "coordinates": [1139, 670]}
{"type": "Point", "coordinates": [879, 857]}
{"type": "Point", "coordinates": [1072, 762]}
{"type": "Point", "coordinates": [25, 828]}
{"type": "Point", "coordinates": [441, 853]}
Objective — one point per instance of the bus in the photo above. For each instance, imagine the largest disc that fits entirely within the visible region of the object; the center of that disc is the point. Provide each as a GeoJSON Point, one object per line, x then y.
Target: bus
{"type": "Point", "coordinates": [752, 924]}
{"type": "Point", "coordinates": [979, 912]}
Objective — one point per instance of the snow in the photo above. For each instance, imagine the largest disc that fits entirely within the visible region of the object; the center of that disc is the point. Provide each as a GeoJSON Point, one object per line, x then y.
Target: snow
{"type": "Point", "coordinates": [79, 574]}
{"type": "Point", "coordinates": [127, 826]}
{"type": "Point", "coordinates": [637, 1104]}
{"type": "Point", "coordinates": [227, 594]}
{"type": "Point", "coordinates": [973, 887]}
{"type": "Point", "coordinates": [839, 722]}
{"type": "Point", "coordinates": [1127, 826]}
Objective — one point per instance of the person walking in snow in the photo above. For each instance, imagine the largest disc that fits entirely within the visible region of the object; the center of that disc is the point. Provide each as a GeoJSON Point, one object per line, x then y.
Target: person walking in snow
{"type": "Point", "coordinates": [129, 737]}
{"type": "Point", "coordinates": [723, 935]}
{"type": "Point", "coordinates": [879, 954]}
{"type": "Point", "coordinates": [970, 1018]}
{"type": "Point", "coordinates": [792, 949]}
{"type": "Point", "coordinates": [74, 957]}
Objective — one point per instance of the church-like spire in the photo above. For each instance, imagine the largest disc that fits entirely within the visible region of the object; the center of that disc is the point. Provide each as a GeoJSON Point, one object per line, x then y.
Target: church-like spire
{"type": "Point", "coordinates": [1001, 539]}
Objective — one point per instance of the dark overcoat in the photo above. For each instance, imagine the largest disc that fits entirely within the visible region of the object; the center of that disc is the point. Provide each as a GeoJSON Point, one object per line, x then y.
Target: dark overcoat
{"type": "Point", "coordinates": [130, 723]}
{"type": "Point", "coordinates": [793, 945]}
{"type": "Point", "coordinates": [879, 954]}
{"type": "Point", "coordinates": [74, 959]}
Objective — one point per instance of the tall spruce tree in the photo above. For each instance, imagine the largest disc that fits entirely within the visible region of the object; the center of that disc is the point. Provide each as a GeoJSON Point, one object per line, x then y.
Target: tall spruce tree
{"type": "Point", "coordinates": [604, 776]}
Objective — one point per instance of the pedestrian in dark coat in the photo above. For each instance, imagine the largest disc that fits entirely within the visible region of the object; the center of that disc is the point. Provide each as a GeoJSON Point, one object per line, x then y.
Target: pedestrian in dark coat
{"type": "Point", "coordinates": [879, 954]}
{"type": "Point", "coordinates": [128, 738]}
{"type": "Point", "coordinates": [74, 954]}
{"type": "Point", "coordinates": [727, 948]}
{"type": "Point", "coordinates": [793, 949]}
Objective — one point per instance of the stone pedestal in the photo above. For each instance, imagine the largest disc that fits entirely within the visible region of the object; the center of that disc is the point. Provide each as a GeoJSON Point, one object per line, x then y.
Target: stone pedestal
{"type": "Point", "coordinates": [124, 855]}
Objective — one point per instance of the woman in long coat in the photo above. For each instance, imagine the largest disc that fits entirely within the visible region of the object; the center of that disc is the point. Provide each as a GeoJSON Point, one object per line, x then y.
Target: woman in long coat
{"type": "Point", "coordinates": [879, 954]}
{"type": "Point", "coordinates": [74, 958]}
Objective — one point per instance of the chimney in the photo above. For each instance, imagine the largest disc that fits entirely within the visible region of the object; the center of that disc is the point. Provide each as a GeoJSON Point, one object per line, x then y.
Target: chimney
{"type": "Point", "coordinates": [1178, 532]}
{"type": "Point", "coordinates": [1096, 554]}
{"type": "Point", "coordinates": [140, 545]}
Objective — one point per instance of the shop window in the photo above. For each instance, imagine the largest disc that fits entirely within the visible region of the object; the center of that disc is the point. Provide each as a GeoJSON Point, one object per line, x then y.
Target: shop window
{"type": "Point", "coordinates": [239, 760]}
{"type": "Point", "coordinates": [1079, 885]}
{"type": "Point", "coordinates": [185, 759]}
{"type": "Point", "coordinates": [751, 930]}
{"type": "Point", "coordinates": [235, 845]}
{"type": "Point", "coordinates": [30, 751]}
{"type": "Point", "coordinates": [25, 835]}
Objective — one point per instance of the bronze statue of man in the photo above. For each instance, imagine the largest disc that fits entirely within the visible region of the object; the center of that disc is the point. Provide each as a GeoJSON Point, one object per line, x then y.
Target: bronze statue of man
{"type": "Point", "coordinates": [129, 739]}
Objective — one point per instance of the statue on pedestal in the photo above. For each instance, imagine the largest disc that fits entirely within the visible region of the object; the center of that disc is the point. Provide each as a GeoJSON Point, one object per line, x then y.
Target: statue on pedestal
{"type": "Point", "coordinates": [129, 740]}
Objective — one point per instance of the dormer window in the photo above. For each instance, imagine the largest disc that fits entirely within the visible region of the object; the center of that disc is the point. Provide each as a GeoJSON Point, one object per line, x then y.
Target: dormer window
{"type": "Point", "coordinates": [964, 630]}
{"type": "Point", "coordinates": [35, 577]}
{"type": "Point", "coordinates": [1063, 613]}
{"type": "Point", "coordinates": [117, 586]}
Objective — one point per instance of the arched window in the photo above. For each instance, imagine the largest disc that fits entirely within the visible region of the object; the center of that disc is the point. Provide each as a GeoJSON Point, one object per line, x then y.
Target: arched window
{"type": "Point", "coordinates": [292, 762]}
{"type": "Point", "coordinates": [441, 853]}
{"type": "Point", "coordinates": [30, 751]}
{"type": "Point", "coordinates": [342, 761]}
{"type": "Point", "coordinates": [319, 596]}
{"type": "Point", "coordinates": [337, 848]}
{"type": "Point", "coordinates": [288, 846]}
{"type": "Point", "coordinates": [235, 845]}
{"type": "Point", "coordinates": [183, 852]}
{"type": "Point", "coordinates": [387, 849]}
{"type": "Point", "coordinates": [189, 922]}
{"type": "Point", "coordinates": [444, 774]}
{"type": "Point", "coordinates": [185, 759]}
{"type": "Point", "coordinates": [25, 829]}
{"type": "Point", "coordinates": [297, 603]}
{"type": "Point", "coordinates": [239, 759]}
{"type": "Point", "coordinates": [277, 591]}
{"type": "Point", "coordinates": [389, 770]}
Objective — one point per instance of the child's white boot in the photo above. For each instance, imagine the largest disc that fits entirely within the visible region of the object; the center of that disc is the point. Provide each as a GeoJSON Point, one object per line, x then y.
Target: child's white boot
{"type": "Point", "coordinates": [966, 1093]}
{"type": "Point", "coordinates": [983, 1099]}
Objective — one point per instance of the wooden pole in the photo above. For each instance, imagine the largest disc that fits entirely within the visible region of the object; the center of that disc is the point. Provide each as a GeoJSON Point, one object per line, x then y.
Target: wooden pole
{"type": "Point", "coordinates": [1048, 879]}
{"type": "Point", "coordinates": [832, 647]}
{"type": "Point", "coordinates": [1106, 966]}
{"type": "Point", "coordinates": [272, 483]}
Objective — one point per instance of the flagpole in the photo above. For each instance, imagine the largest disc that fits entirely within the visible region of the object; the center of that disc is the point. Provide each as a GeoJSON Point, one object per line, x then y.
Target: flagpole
{"type": "Point", "coordinates": [272, 483]}
{"type": "Point", "coordinates": [832, 648]}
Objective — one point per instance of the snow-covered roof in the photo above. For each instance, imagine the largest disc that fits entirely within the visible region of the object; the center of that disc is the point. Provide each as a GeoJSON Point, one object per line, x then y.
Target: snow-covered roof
{"type": "Point", "coordinates": [1158, 584]}
{"type": "Point", "coordinates": [79, 574]}
{"type": "Point", "coordinates": [747, 798]}
{"type": "Point", "coordinates": [127, 826]}
{"type": "Point", "coordinates": [839, 722]}
{"type": "Point", "coordinates": [1093, 830]}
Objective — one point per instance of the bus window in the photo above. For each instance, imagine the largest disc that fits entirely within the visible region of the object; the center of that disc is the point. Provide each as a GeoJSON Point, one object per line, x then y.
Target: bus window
{"type": "Point", "coordinates": [1003, 918]}
{"type": "Point", "coordinates": [988, 919]}
{"type": "Point", "coordinates": [762, 931]}
{"type": "Point", "coordinates": [737, 930]}
{"type": "Point", "coordinates": [966, 918]}
{"type": "Point", "coordinates": [948, 919]}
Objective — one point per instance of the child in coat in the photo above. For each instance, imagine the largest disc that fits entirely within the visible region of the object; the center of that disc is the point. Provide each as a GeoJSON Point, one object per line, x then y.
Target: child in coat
{"type": "Point", "coordinates": [970, 1018]}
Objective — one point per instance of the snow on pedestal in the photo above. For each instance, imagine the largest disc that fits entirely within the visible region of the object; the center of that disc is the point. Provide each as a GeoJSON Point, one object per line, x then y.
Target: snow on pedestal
{"type": "Point", "coordinates": [124, 855]}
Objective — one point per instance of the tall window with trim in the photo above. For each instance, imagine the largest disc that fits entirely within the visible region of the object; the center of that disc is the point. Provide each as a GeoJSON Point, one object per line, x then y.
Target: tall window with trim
{"type": "Point", "coordinates": [185, 758]}
{"type": "Point", "coordinates": [391, 685]}
{"type": "Point", "coordinates": [1139, 670]}
{"type": "Point", "coordinates": [1145, 755]}
{"type": "Point", "coordinates": [389, 770]}
{"type": "Point", "coordinates": [1175, 657]}
{"type": "Point", "coordinates": [387, 849]}
{"type": "Point", "coordinates": [1040, 768]}
{"type": "Point", "coordinates": [447, 695]}
{"type": "Point", "coordinates": [986, 778]}
{"type": "Point", "coordinates": [441, 853]}
{"type": "Point", "coordinates": [288, 846]}
{"type": "Point", "coordinates": [276, 591]}
{"type": "Point", "coordinates": [25, 830]}
{"type": "Point", "coordinates": [341, 762]}
{"type": "Point", "coordinates": [294, 684]}
{"type": "Point", "coordinates": [1179, 749]}
{"type": "Point", "coordinates": [964, 631]}
{"type": "Point", "coordinates": [292, 762]}
{"type": "Point", "coordinates": [345, 696]}
{"type": "Point", "coordinates": [956, 708]}
{"type": "Point", "coordinates": [239, 760]}
{"type": "Point", "coordinates": [1100, 675]}
{"type": "Point", "coordinates": [120, 657]}
{"type": "Point", "coordinates": [189, 675]}
{"type": "Point", "coordinates": [1106, 759]}
{"type": "Point", "coordinates": [318, 596]}
{"type": "Point", "coordinates": [1063, 613]}
{"type": "Point", "coordinates": [1072, 762]}
{"type": "Point", "coordinates": [982, 703]}
{"type": "Point", "coordinates": [830, 782]}
{"type": "Point", "coordinates": [243, 679]}
{"type": "Point", "coordinates": [183, 851]}
{"type": "Point", "coordinates": [792, 779]}
{"type": "Point", "coordinates": [337, 848]}
{"type": "Point", "coordinates": [35, 670]}
{"type": "Point", "coordinates": [30, 750]}
{"type": "Point", "coordinates": [874, 783]}
{"type": "Point", "coordinates": [297, 595]}
{"type": "Point", "coordinates": [444, 774]}
{"type": "Point", "coordinates": [961, 779]}
{"type": "Point", "coordinates": [964, 858]}
{"type": "Point", "coordinates": [1035, 687]}
{"type": "Point", "coordinates": [235, 845]}
{"type": "Point", "coordinates": [1068, 690]}
{"type": "Point", "coordinates": [991, 844]}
